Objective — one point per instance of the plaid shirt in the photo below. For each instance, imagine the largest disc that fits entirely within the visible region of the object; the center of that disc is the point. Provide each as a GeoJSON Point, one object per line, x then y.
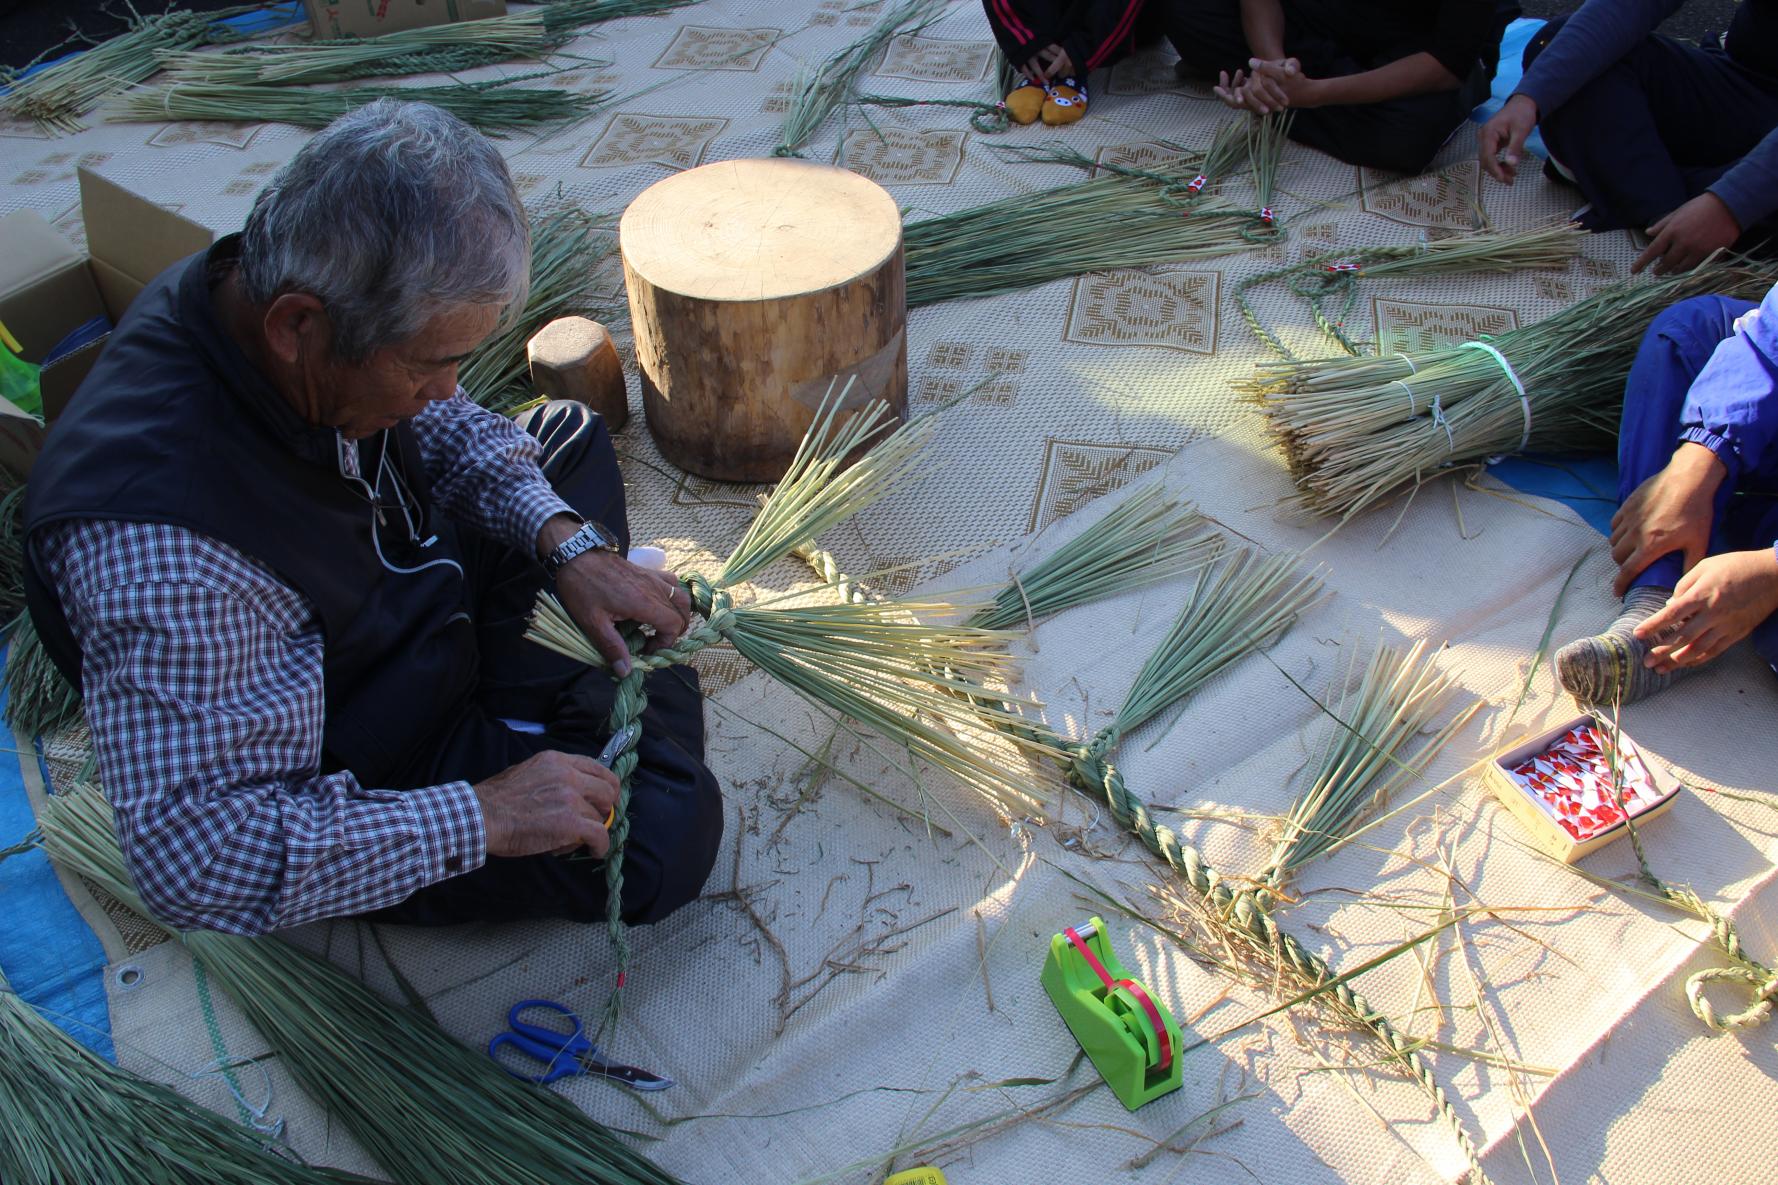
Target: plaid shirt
{"type": "Point", "coordinates": [202, 677]}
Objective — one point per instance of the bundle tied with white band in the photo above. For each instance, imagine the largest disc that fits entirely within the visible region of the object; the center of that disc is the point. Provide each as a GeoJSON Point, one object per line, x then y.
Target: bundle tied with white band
{"type": "Point", "coordinates": [1349, 441]}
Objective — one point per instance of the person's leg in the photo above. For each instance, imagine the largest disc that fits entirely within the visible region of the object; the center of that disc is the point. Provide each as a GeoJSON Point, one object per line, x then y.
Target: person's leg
{"type": "Point", "coordinates": [1655, 128]}
{"type": "Point", "coordinates": [676, 826]}
{"type": "Point", "coordinates": [1401, 135]}
{"type": "Point", "coordinates": [1207, 35]}
{"type": "Point", "coordinates": [676, 808]}
{"type": "Point", "coordinates": [1607, 668]}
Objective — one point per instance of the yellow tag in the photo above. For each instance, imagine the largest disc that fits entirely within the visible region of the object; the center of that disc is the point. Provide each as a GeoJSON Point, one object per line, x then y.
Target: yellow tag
{"type": "Point", "coordinates": [12, 343]}
{"type": "Point", "coordinates": [924, 1175]}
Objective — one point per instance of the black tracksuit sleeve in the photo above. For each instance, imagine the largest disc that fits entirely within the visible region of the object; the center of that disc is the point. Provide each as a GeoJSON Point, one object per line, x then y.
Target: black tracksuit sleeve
{"type": "Point", "coordinates": [1093, 32]}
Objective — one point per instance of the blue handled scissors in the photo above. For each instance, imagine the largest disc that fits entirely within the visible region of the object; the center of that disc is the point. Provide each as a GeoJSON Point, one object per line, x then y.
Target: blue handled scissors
{"type": "Point", "coordinates": [562, 1052]}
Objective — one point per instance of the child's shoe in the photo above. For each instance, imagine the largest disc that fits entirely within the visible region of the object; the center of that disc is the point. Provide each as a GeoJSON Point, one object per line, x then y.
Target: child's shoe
{"type": "Point", "coordinates": [1024, 103]}
{"type": "Point", "coordinates": [1067, 102]}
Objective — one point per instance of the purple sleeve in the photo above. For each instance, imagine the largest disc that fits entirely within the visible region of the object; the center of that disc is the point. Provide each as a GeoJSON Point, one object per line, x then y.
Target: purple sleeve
{"type": "Point", "coordinates": [484, 471]}
{"type": "Point", "coordinates": [1732, 406]}
{"type": "Point", "coordinates": [202, 680]}
{"type": "Point", "coordinates": [1598, 34]}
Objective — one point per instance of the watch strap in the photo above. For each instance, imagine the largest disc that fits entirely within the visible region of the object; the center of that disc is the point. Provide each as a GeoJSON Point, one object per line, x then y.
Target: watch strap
{"type": "Point", "coordinates": [592, 536]}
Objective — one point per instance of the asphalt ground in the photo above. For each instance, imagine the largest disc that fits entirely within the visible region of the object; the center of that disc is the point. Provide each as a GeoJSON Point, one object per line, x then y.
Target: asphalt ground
{"type": "Point", "coordinates": [29, 28]}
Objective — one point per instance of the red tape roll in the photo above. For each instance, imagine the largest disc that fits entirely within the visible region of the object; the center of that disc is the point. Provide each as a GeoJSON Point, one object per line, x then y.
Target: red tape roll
{"type": "Point", "coordinates": [1135, 989]}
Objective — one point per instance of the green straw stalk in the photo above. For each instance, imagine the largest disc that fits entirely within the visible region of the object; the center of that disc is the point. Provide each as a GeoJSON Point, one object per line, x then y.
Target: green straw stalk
{"type": "Point", "coordinates": [432, 49]}
{"type": "Point", "coordinates": [1399, 696]}
{"type": "Point", "coordinates": [571, 273]}
{"type": "Point", "coordinates": [821, 87]}
{"type": "Point", "coordinates": [1355, 430]}
{"type": "Point", "coordinates": [431, 1110]}
{"type": "Point", "coordinates": [72, 1116]}
{"type": "Point", "coordinates": [12, 547]}
{"type": "Point", "coordinates": [57, 96]}
{"type": "Point", "coordinates": [1149, 538]}
{"type": "Point", "coordinates": [567, 15]}
{"type": "Point", "coordinates": [1332, 279]}
{"type": "Point", "coordinates": [494, 107]}
{"type": "Point", "coordinates": [39, 701]}
{"type": "Point", "coordinates": [1115, 221]}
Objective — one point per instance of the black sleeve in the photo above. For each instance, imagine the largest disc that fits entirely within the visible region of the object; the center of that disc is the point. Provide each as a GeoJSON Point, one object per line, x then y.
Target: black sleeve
{"type": "Point", "coordinates": [1464, 32]}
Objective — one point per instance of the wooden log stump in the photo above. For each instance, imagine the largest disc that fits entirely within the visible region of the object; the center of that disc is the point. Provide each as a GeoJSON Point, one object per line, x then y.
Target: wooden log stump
{"type": "Point", "coordinates": [755, 285]}
{"type": "Point", "coordinates": [574, 358]}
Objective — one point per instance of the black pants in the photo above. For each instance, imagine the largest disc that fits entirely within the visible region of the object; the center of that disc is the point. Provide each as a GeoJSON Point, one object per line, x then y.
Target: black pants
{"type": "Point", "coordinates": [675, 805]}
{"type": "Point", "coordinates": [1656, 128]}
{"type": "Point", "coordinates": [1402, 135]}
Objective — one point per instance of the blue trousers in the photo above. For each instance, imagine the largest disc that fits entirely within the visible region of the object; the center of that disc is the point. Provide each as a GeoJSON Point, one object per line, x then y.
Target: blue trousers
{"type": "Point", "coordinates": [1674, 350]}
{"type": "Point", "coordinates": [1656, 128]}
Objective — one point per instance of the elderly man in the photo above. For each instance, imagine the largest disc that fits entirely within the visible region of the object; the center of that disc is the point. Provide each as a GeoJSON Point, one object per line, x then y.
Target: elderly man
{"type": "Point", "coordinates": [289, 563]}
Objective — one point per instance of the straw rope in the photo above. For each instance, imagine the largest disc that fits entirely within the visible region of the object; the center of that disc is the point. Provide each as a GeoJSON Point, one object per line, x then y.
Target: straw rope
{"type": "Point", "coordinates": [1092, 772]}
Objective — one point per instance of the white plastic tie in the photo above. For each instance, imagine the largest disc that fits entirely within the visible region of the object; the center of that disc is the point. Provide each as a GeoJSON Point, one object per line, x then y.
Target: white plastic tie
{"type": "Point", "coordinates": [1524, 400]}
{"type": "Point", "coordinates": [1413, 406]}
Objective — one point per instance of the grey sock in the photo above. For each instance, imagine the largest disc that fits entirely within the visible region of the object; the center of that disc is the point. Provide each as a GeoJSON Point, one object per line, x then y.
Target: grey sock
{"type": "Point", "coordinates": [1607, 668]}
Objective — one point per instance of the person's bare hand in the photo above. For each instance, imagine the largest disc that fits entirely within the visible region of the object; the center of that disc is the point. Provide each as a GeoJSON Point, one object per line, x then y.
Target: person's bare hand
{"type": "Point", "coordinates": [1671, 511]}
{"type": "Point", "coordinates": [1687, 236]}
{"type": "Point", "coordinates": [1266, 86]}
{"type": "Point", "coordinates": [600, 589]}
{"type": "Point", "coordinates": [1500, 145]}
{"type": "Point", "coordinates": [1715, 605]}
{"type": "Point", "coordinates": [1057, 63]}
{"type": "Point", "coordinates": [550, 802]}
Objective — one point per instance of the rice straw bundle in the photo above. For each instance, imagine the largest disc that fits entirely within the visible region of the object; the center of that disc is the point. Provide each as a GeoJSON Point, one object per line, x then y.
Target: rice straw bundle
{"type": "Point", "coordinates": [71, 1116]}
{"type": "Point", "coordinates": [566, 15]}
{"type": "Point", "coordinates": [1354, 430]}
{"type": "Point", "coordinates": [1335, 275]}
{"type": "Point", "coordinates": [495, 106]}
{"type": "Point", "coordinates": [431, 1110]}
{"type": "Point", "coordinates": [431, 49]}
{"type": "Point", "coordinates": [1398, 697]}
{"type": "Point", "coordinates": [1266, 137]}
{"type": "Point", "coordinates": [1148, 538]}
{"type": "Point", "coordinates": [12, 549]}
{"type": "Point", "coordinates": [1107, 222]}
{"type": "Point", "coordinates": [38, 700]}
{"type": "Point", "coordinates": [820, 87]}
{"type": "Point", "coordinates": [57, 96]}
{"type": "Point", "coordinates": [571, 253]}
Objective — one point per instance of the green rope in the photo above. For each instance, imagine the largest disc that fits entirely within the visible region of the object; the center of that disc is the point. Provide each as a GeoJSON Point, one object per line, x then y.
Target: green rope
{"type": "Point", "coordinates": [1760, 980]}
{"type": "Point", "coordinates": [33, 838]}
{"type": "Point", "coordinates": [990, 119]}
{"type": "Point", "coordinates": [217, 1045]}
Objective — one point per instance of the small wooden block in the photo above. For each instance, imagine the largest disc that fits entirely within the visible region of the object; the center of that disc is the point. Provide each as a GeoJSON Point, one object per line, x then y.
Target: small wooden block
{"type": "Point", "coordinates": [574, 358]}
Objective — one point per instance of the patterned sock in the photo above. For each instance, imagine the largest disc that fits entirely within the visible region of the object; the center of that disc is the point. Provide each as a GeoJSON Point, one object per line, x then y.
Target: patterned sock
{"type": "Point", "coordinates": [1067, 103]}
{"type": "Point", "coordinates": [1024, 103]}
{"type": "Point", "coordinates": [1607, 668]}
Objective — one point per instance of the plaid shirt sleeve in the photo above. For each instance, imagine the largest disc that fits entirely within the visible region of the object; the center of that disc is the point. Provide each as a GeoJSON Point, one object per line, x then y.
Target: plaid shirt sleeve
{"type": "Point", "coordinates": [484, 471]}
{"type": "Point", "coordinates": [203, 686]}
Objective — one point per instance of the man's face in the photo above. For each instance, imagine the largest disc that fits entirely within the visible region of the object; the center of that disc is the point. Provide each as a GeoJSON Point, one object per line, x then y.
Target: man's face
{"type": "Point", "coordinates": [397, 382]}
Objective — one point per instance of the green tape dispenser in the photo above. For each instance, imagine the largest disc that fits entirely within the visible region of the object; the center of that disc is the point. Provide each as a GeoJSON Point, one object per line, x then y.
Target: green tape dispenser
{"type": "Point", "coordinates": [1132, 1039]}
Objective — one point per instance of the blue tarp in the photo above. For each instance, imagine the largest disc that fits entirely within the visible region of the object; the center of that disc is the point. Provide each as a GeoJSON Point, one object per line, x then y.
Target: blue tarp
{"type": "Point", "coordinates": [49, 954]}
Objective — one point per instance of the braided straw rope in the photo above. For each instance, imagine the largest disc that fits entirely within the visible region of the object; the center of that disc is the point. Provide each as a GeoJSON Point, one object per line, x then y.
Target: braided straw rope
{"type": "Point", "coordinates": [1091, 771]}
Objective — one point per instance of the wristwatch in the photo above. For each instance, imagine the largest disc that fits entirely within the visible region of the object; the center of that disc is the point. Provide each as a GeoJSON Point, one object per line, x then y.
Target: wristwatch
{"type": "Point", "coordinates": [591, 536]}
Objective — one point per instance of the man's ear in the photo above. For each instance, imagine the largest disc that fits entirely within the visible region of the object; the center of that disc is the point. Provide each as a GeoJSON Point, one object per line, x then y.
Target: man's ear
{"type": "Point", "coordinates": [296, 323]}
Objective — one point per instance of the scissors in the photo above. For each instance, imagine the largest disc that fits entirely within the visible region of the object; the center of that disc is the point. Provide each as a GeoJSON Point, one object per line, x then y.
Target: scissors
{"type": "Point", "coordinates": [620, 741]}
{"type": "Point", "coordinates": [562, 1052]}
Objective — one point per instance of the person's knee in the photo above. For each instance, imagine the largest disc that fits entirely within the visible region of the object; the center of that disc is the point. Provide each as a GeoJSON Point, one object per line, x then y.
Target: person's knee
{"type": "Point", "coordinates": [1541, 41]}
{"type": "Point", "coordinates": [1696, 321]}
{"type": "Point", "coordinates": [668, 867]}
{"type": "Point", "coordinates": [567, 426]}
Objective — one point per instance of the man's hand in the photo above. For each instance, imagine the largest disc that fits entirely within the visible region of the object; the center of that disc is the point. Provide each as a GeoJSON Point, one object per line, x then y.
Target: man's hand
{"type": "Point", "coordinates": [1671, 511]}
{"type": "Point", "coordinates": [1268, 86]}
{"type": "Point", "coordinates": [1500, 145]}
{"type": "Point", "coordinates": [551, 802]}
{"type": "Point", "coordinates": [600, 589]}
{"type": "Point", "coordinates": [1687, 236]}
{"type": "Point", "coordinates": [1051, 62]}
{"type": "Point", "coordinates": [1715, 605]}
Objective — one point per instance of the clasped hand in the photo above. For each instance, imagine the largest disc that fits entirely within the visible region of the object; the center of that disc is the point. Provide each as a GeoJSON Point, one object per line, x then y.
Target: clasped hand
{"type": "Point", "coordinates": [1267, 86]}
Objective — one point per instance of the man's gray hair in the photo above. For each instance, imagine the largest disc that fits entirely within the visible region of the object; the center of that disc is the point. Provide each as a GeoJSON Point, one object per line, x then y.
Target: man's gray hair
{"type": "Point", "coordinates": [390, 215]}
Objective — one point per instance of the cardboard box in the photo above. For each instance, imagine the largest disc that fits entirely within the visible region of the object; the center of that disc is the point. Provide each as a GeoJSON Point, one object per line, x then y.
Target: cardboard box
{"type": "Point", "coordinates": [48, 287]}
{"type": "Point", "coordinates": [367, 18]}
{"type": "Point", "coordinates": [1546, 833]}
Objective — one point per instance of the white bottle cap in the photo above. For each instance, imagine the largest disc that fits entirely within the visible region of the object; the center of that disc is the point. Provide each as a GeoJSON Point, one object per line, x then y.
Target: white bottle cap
{"type": "Point", "coordinates": [649, 557]}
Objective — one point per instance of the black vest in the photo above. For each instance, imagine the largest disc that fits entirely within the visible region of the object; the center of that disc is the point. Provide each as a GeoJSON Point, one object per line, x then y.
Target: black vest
{"type": "Point", "coordinates": [175, 425]}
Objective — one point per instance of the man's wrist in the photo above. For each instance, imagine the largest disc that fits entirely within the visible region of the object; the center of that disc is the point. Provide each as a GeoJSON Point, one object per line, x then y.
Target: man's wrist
{"type": "Point", "coordinates": [556, 530]}
{"type": "Point", "coordinates": [1524, 100]}
{"type": "Point", "coordinates": [1702, 463]}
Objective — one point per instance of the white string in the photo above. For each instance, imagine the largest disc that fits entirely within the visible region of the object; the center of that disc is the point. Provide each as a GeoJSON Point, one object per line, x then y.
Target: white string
{"type": "Point", "coordinates": [1438, 419]}
{"type": "Point", "coordinates": [1412, 369]}
{"type": "Point", "coordinates": [1413, 407]}
{"type": "Point", "coordinates": [1524, 400]}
